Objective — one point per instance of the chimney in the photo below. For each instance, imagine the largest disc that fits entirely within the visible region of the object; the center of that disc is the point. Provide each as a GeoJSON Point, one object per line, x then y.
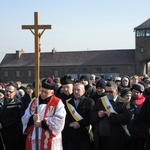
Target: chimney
{"type": "Point", "coordinates": [19, 53]}
{"type": "Point", "coordinates": [53, 51]}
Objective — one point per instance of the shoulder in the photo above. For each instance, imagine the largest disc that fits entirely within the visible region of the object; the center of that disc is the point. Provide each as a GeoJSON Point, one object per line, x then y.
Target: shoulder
{"type": "Point", "coordinates": [87, 100]}
{"type": "Point", "coordinates": [123, 101]}
{"type": "Point", "coordinates": [120, 99]}
{"type": "Point", "coordinates": [17, 101]}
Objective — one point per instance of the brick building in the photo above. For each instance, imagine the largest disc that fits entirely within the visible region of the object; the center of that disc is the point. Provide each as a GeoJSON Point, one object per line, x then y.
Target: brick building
{"type": "Point", "coordinates": [20, 65]}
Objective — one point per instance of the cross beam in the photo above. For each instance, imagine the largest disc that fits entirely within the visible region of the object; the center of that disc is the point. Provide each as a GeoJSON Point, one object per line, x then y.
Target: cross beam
{"type": "Point", "coordinates": [37, 35]}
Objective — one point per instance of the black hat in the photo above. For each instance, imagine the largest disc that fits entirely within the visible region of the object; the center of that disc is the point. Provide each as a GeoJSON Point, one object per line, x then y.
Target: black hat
{"type": "Point", "coordinates": [48, 84]}
{"type": "Point", "coordinates": [66, 80]}
{"type": "Point", "coordinates": [30, 86]}
{"type": "Point", "coordinates": [146, 80]}
{"type": "Point", "coordinates": [124, 91]}
{"type": "Point", "coordinates": [101, 83]}
{"type": "Point", "coordinates": [137, 86]}
{"type": "Point", "coordinates": [85, 77]}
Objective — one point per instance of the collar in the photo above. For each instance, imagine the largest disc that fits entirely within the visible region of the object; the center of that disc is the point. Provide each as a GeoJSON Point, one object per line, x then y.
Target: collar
{"type": "Point", "coordinates": [115, 99]}
{"type": "Point", "coordinates": [45, 101]}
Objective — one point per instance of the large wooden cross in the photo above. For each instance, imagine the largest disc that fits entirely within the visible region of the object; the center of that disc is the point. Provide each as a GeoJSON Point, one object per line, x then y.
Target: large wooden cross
{"type": "Point", "coordinates": [37, 35]}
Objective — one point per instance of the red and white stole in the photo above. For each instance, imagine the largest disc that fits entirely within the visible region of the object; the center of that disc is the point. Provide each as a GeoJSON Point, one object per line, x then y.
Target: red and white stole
{"type": "Point", "coordinates": [46, 137]}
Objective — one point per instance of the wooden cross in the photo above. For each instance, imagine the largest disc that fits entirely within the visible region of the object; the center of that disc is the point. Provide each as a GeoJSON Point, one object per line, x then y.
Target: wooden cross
{"type": "Point", "coordinates": [37, 35]}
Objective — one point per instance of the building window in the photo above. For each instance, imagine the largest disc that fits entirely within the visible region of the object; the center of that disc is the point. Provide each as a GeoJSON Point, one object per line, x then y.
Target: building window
{"type": "Point", "coordinates": [29, 73]}
{"type": "Point", "coordinates": [140, 33]}
{"type": "Point", "coordinates": [56, 73]}
{"type": "Point", "coordinates": [142, 49]}
{"type": "Point", "coordinates": [17, 73]}
{"type": "Point", "coordinates": [148, 32]}
{"type": "Point", "coordinates": [5, 73]}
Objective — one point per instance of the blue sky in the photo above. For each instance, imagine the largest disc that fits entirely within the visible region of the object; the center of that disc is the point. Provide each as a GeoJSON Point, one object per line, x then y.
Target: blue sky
{"type": "Point", "coordinates": [76, 24]}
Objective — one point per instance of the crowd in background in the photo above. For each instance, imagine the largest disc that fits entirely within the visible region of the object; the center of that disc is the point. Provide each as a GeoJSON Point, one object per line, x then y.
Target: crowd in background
{"type": "Point", "coordinates": [101, 114]}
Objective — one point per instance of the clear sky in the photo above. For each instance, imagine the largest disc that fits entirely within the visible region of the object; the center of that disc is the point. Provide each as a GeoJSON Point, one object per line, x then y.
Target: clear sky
{"type": "Point", "coordinates": [76, 24]}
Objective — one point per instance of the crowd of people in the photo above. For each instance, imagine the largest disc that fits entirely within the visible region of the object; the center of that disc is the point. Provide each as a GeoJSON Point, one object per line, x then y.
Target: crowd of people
{"type": "Point", "coordinates": [89, 113]}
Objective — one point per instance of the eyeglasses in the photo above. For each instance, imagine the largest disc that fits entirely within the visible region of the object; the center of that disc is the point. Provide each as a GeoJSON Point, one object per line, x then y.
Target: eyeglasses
{"type": "Point", "coordinates": [109, 91]}
{"type": "Point", "coordinates": [9, 91]}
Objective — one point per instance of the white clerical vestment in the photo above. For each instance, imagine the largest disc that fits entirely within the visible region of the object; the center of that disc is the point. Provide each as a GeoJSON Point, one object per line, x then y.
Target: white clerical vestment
{"type": "Point", "coordinates": [54, 115]}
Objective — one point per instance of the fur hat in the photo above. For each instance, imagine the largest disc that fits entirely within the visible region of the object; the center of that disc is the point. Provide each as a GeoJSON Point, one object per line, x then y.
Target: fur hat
{"type": "Point", "coordinates": [48, 84]}
{"type": "Point", "coordinates": [124, 92]}
{"type": "Point", "coordinates": [66, 80]}
{"type": "Point", "coordinates": [101, 83]}
{"type": "Point", "coordinates": [137, 86]}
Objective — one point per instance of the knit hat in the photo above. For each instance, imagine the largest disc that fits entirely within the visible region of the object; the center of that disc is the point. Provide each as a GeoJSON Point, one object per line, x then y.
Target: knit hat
{"type": "Point", "coordinates": [101, 83]}
{"type": "Point", "coordinates": [117, 79]}
{"type": "Point", "coordinates": [124, 92]}
{"type": "Point", "coordinates": [125, 79]}
{"type": "Point", "coordinates": [85, 77]}
{"type": "Point", "coordinates": [48, 84]}
{"type": "Point", "coordinates": [66, 80]}
{"type": "Point", "coordinates": [138, 87]}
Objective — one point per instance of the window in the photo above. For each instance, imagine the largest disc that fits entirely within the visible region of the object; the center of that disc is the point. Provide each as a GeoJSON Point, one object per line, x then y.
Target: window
{"type": "Point", "coordinates": [17, 73]}
{"type": "Point", "coordinates": [140, 33]}
{"type": "Point", "coordinates": [5, 73]}
{"type": "Point", "coordinates": [142, 49]}
{"type": "Point", "coordinates": [29, 73]}
{"type": "Point", "coordinates": [56, 73]}
{"type": "Point", "coordinates": [148, 32]}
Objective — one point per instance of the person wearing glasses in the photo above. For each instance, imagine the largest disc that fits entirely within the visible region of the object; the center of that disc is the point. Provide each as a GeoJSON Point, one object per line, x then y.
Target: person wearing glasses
{"type": "Point", "coordinates": [11, 111]}
{"type": "Point", "coordinates": [109, 116]}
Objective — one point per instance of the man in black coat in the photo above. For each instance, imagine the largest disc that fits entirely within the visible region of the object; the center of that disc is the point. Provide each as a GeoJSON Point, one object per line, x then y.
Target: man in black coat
{"type": "Point", "coordinates": [109, 115]}
{"type": "Point", "coordinates": [67, 93]}
{"type": "Point", "coordinates": [11, 111]}
{"type": "Point", "coordinates": [77, 120]}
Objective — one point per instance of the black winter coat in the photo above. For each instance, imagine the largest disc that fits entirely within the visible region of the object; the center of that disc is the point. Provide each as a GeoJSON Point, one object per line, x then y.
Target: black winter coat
{"type": "Point", "coordinates": [112, 123]}
{"type": "Point", "coordinates": [10, 118]}
{"type": "Point", "coordinates": [84, 108]}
